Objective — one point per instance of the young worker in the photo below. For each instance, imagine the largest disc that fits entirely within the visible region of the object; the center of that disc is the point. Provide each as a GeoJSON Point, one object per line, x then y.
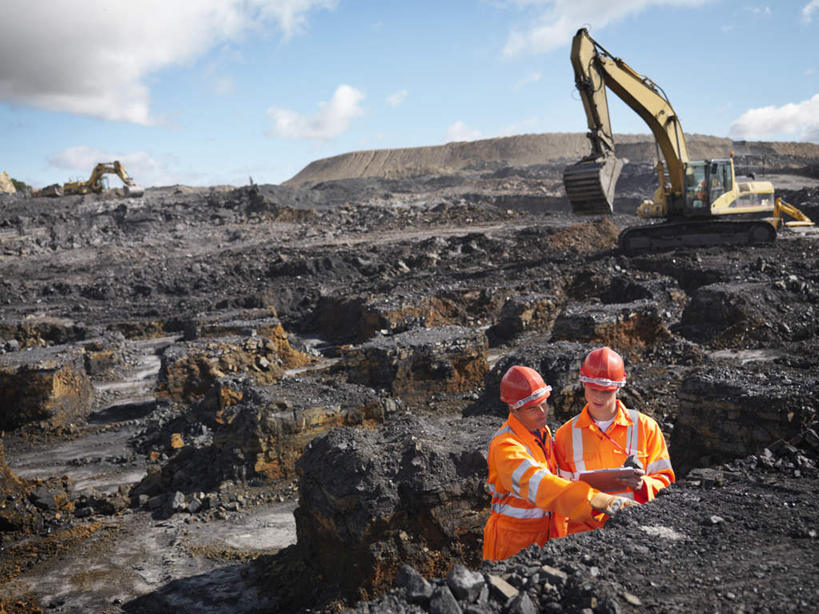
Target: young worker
{"type": "Point", "coordinates": [530, 503]}
{"type": "Point", "coordinates": [617, 450]}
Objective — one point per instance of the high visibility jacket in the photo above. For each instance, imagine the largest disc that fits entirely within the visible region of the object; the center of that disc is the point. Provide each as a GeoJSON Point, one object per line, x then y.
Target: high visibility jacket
{"type": "Point", "coordinates": [580, 447]}
{"type": "Point", "coordinates": [530, 502]}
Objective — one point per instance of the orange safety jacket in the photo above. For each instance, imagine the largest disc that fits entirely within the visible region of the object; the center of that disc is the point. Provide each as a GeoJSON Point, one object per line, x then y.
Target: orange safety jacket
{"type": "Point", "coordinates": [530, 502]}
{"type": "Point", "coordinates": [580, 447]}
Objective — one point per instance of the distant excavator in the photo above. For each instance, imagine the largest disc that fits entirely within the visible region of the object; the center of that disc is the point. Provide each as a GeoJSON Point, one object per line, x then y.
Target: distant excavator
{"type": "Point", "coordinates": [95, 182]}
{"type": "Point", "coordinates": [701, 201]}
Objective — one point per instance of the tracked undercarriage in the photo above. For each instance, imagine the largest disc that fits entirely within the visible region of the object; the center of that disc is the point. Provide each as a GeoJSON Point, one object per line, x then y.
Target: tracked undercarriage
{"type": "Point", "coordinates": [695, 233]}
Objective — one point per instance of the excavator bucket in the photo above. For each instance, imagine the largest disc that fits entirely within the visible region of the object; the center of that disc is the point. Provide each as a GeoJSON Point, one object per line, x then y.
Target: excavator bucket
{"type": "Point", "coordinates": [590, 184]}
{"type": "Point", "coordinates": [133, 190]}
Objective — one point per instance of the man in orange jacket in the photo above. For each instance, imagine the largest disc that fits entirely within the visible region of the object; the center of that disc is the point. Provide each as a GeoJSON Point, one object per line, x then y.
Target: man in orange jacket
{"type": "Point", "coordinates": [614, 449]}
{"type": "Point", "coordinates": [530, 502]}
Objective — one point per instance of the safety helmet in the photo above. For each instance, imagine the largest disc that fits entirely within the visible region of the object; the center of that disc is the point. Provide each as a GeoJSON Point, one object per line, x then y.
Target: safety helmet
{"type": "Point", "coordinates": [603, 369]}
{"type": "Point", "coordinates": [522, 386]}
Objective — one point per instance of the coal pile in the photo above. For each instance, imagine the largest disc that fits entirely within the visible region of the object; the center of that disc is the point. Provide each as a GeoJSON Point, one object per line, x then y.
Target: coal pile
{"type": "Point", "coordinates": [278, 398]}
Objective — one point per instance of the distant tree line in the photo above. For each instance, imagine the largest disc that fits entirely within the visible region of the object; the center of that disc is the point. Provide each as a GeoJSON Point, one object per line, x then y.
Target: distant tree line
{"type": "Point", "coordinates": [21, 186]}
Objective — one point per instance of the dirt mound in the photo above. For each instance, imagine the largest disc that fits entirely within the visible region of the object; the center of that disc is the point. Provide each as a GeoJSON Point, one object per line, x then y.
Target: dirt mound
{"type": "Point", "coordinates": [587, 237]}
{"type": "Point", "coordinates": [527, 150]}
{"type": "Point", "coordinates": [5, 183]}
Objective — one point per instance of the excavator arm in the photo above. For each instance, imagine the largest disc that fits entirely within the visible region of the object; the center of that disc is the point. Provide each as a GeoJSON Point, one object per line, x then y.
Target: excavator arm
{"type": "Point", "coordinates": [590, 183]}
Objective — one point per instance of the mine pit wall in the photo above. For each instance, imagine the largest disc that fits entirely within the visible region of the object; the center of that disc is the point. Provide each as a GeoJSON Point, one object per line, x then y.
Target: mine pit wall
{"type": "Point", "coordinates": [524, 313]}
{"type": "Point", "coordinates": [190, 369]}
{"type": "Point", "coordinates": [727, 413]}
{"type": "Point", "coordinates": [420, 363]}
{"type": "Point", "coordinates": [372, 500]}
{"type": "Point", "coordinates": [49, 385]}
{"type": "Point", "coordinates": [40, 332]}
{"type": "Point", "coordinates": [627, 326]}
{"type": "Point", "coordinates": [346, 320]}
{"type": "Point", "coordinates": [258, 432]}
{"type": "Point", "coordinates": [270, 442]}
{"type": "Point", "coordinates": [10, 484]}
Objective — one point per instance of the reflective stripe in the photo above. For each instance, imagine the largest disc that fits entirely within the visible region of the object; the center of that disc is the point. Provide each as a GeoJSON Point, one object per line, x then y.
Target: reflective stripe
{"type": "Point", "coordinates": [633, 434]}
{"type": "Point", "coordinates": [663, 477]}
{"type": "Point", "coordinates": [577, 447]}
{"type": "Point", "coordinates": [540, 392]}
{"type": "Point", "coordinates": [568, 475]}
{"type": "Point", "coordinates": [519, 512]}
{"type": "Point", "coordinates": [524, 466]}
{"type": "Point", "coordinates": [534, 483]}
{"type": "Point", "coordinates": [602, 381]}
{"type": "Point", "coordinates": [659, 465]}
{"type": "Point", "coordinates": [503, 431]}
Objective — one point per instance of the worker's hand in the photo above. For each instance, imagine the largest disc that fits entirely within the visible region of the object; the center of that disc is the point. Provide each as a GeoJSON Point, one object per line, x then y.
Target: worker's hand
{"type": "Point", "coordinates": [610, 504]}
{"type": "Point", "coordinates": [634, 480]}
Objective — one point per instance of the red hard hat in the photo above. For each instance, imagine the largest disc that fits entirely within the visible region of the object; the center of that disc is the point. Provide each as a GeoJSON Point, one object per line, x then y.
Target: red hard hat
{"type": "Point", "coordinates": [522, 386]}
{"type": "Point", "coordinates": [603, 369]}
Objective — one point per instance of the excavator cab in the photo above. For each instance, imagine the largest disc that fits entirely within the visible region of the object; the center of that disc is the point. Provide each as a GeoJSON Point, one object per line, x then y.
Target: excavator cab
{"type": "Point", "coordinates": [705, 182]}
{"type": "Point", "coordinates": [697, 199]}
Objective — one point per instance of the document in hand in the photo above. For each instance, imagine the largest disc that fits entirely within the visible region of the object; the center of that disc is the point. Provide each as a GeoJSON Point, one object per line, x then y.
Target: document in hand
{"type": "Point", "coordinates": [606, 479]}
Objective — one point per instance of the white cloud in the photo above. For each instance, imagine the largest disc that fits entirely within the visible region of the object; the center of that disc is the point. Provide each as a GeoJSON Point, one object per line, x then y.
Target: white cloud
{"type": "Point", "coordinates": [528, 79]}
{"type": "Point", "coordinates": [92, 57]}
{"type": "Point", "coordinates": [459, 131]}
{"type": "Point", "coordinates": [222, 85]}
{"type": "Point", "coordinates": [759, 11]}
{"type": "Point", "coordinates": [556, 21]}
{"type": "Point", "coordinates": [799, 119]}
{"type": "Point", "coordinates": [331, 119]}
{"type": "Point", "coordinates": [809, 9]}
{"type": "Point", "coordinates": [397, 98]}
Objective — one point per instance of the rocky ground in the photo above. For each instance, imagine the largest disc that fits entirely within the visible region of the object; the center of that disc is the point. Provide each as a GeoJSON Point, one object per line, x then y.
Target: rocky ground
{"type": "Point", "coordinates": [278, 398]}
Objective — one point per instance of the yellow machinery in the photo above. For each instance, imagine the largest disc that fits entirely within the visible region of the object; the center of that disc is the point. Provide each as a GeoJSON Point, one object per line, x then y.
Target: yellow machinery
{"type": "Point", "coordinates": [702, 201]}
{"type": "Point", "coordinates": [95, 182]}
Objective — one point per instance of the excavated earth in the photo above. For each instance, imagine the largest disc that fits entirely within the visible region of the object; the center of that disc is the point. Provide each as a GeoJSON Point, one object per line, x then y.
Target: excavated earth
{"type": "Point", "coordinates": [278, 398]}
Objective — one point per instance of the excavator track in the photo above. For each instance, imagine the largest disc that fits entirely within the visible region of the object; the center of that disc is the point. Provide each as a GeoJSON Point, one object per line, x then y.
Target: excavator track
{"type": "Point", "coordinates": [695, 233]}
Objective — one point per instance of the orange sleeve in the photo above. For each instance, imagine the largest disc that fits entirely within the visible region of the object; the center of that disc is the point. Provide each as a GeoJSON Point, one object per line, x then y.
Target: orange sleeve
{"type": "Point", "coordinates": [518, 472]}
{"type": "Point", "coordinates": [659, 472]}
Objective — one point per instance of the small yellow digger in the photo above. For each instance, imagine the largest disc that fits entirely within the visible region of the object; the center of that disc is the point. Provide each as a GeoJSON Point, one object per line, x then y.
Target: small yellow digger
{"type": "Point", "coordinates": [95, 182]}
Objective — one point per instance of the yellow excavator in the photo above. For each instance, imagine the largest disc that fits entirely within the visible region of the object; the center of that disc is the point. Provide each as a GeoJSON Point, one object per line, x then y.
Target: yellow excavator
{"type": "Point", "coordinates": [701, 200]}
{"type": "Point", "coordinates": [95, 182]}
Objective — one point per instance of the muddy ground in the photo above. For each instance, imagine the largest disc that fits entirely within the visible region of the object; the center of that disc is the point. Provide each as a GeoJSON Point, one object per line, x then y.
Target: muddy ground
{"type": "Point", "coordinates": [137, 496]}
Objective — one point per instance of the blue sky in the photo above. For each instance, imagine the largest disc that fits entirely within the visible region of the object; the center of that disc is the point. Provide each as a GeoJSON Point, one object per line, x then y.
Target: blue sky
{"type": "Point", "coordinates": [211, 92]}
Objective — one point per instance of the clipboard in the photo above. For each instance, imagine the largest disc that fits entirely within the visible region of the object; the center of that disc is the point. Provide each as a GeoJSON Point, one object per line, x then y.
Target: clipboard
{"type": "Point", "coordinates": [606, 479]}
